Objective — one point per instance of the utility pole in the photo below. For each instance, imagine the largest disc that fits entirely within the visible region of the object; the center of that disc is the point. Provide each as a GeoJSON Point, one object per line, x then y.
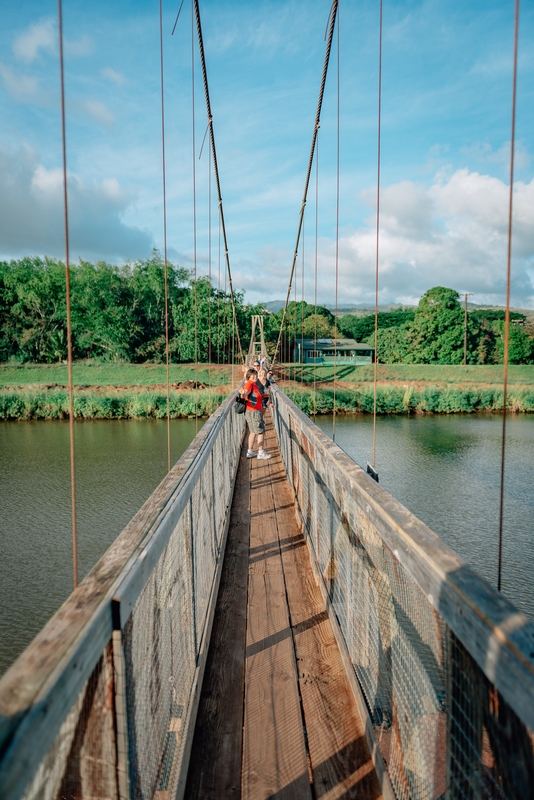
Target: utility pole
{"type": "Point", "coordinates": [465, 295]}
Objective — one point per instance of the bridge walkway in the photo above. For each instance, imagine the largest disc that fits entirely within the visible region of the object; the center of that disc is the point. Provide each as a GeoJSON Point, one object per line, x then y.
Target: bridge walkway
{"type": "Point", "coordinates": [276, 718]}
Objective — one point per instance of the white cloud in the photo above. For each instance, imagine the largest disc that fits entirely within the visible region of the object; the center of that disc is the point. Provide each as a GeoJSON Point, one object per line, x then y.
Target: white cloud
{"type": "Point", "coordinates": [453, 233]}
{"type": "Point", "coordinates": [39, 36]}
{"type": "Point", "coordinates": [483, 151]}
{"type": "Point", "coordinates": [31, 212]}
{"type": "Point", "coordinates": [111, 75]}
{"type": "Point", "coordinates": [20, 87]}
{"type": "Point", "coordinates": [97, 111]}
{"type": "Point", "coordinates": [79, 47]}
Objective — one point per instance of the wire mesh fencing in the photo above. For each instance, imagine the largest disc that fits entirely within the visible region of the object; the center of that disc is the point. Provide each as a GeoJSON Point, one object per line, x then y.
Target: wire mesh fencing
{"type": "Point", "coordinates": [444, 663]}
{"type": "Point", "coordinates": [103, 702]}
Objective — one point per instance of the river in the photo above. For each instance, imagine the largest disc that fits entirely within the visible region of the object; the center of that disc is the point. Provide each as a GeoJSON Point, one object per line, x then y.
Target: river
{"type": "Point", "coordinates": [443, 468]}
{"type": "Point", "coordinates": [446, 470]}
{"type": "Point", "coordinates": [118, 464]}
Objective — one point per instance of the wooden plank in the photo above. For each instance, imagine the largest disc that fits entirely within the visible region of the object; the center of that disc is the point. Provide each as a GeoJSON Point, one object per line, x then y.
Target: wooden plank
{"type": "Point", "coordinates": [274, 753]}
{"type": "Point", "coordinates": [215, 763]}
{"type": "Point", "coordinates": [341, 763]}
{"type": "Point", "coordinates": [498, 636]}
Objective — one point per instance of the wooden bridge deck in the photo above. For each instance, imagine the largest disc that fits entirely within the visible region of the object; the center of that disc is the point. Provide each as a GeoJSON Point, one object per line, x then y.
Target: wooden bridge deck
{"type": "Point", "coordinates": [277, 718]}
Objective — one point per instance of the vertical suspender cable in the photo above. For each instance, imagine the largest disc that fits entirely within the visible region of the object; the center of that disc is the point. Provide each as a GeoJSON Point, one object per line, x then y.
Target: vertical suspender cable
{"type": "Point", "coordinates": [375, 375]}
{"type": "Point", "coordinates": [302, 313]}
{"type": "Point", "coordinates": [194, 213]}
{"type": "Point", "coordinates": [165, 268]}
{"type": "Point", "coordinates": [333, 15]}
{"type": "Point", "coordinates": [219, 298]}
{"type": "Point", "coordinates": [209, 255]}
{"type": "Point", "coordinates": [508, 283]}
{"type": "Point", "coordinates": [315, 275]}
{"type": "Point", "coordinates": [337, 242]}
{"type": "Point", "coordinates": [67, 291]}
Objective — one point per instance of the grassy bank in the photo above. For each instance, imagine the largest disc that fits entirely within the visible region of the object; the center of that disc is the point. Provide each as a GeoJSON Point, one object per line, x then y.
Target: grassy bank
{"type": "Point", "coordinates": [137, 391]}
{"type": "Point", "coordinates": [433, 399]}
{"type": "Point", "coordinates": [91, 374]}
{"type": "Point", "coordinates": [29, 403]}
{"type": "Point", "coordinates": [418, 373]}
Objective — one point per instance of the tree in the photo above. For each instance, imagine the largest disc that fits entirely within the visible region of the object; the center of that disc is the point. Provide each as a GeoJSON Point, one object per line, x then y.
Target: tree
{"type": "Point", "coordinates": [437, 332]}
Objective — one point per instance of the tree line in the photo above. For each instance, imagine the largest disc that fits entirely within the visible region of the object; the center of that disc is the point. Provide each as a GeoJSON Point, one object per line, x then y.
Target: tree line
{"type": "Point", "coordinates": [118, 314]}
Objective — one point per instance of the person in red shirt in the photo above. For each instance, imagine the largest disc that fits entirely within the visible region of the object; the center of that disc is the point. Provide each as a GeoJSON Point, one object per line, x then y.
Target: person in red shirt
{"type": "Point", "coordinates": [254, 392]}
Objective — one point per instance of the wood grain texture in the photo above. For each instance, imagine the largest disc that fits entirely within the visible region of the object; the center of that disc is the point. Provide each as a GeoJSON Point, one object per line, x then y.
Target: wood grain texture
{"type": "Point", "coordinates": [274, 753]}
{"type": "Point", "coordinates": [215, 764]}
{"type": "Point", "coordinates": [341, 763]}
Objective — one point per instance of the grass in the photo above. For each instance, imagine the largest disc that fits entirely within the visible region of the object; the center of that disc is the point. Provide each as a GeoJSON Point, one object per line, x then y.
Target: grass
{"type": "Point", "coordinates": [136, 391]}
{"type": "Point", "coordinates": [412, 400]}
{"type": "Point", "coordinates": [29, 403]}
{"type": "Point", "coordinates": [518, 374]}
{"type": "Point", "coordinates": [110, 374]}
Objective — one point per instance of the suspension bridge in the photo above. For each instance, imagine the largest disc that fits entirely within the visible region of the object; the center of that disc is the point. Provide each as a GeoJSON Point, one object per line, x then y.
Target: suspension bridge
{"type": "Point", "coordinates": [273, 629]}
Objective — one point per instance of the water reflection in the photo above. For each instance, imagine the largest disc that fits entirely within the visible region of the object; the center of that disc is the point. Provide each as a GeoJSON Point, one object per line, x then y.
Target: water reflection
{"type": "Point", "coordinates": [446, 470]}
{"type": "Point", "coordinates": [119, 463]}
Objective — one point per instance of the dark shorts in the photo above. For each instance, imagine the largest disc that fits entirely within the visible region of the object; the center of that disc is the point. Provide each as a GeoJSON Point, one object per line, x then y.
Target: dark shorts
{"type": "Point", "coordinates": [255, 421]}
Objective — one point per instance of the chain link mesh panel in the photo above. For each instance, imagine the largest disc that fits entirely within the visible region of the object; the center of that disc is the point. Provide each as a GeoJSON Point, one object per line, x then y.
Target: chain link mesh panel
{"type": "Point", "coordinates": [123, 734]}
{"type": "Point", "coordinates": [166, 630]}
{"type": "Point", "coordinates": [443, 729]}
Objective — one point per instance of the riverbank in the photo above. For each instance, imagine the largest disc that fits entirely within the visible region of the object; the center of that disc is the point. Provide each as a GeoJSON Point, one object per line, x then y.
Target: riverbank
{"type": "Point", "coordinates": [138, 391]}
{"type": "Point", "coordinates": [138, 402]}
{"type": "Point", "coordinates": [411, 399]}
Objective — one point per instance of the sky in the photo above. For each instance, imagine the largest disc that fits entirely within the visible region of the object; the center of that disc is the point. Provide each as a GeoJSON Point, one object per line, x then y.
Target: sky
{"type": "Point", "coordinates": [446, 121]}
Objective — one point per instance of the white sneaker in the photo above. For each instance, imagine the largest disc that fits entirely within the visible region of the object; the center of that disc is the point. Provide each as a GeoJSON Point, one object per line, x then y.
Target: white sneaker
{"type": "Point", "coordinates": [263, 454]}
{"type": "Point", "coordinates": [251, 454]}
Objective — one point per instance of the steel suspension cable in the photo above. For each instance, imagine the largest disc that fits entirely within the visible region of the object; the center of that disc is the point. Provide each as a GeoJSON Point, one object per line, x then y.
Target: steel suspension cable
{"type": "Point", "coordinates": [216, 169]}
{"type": "Point", "coordinates": [337, 242]}
{"type": "Point", "coordinates": [375, 366]}
{"type": "Point", "coordinates": [315, 274]}
{"type": "Point", "coordinates": [333, 15]}
{"type": "Point", "coordinates": [165, 266]}
{"type": "Point", "coordinates": [68, 304]}
{"type": "Point", "coordinates": [508, 285]}
{"type": "Point", "coordinates": [194, 160]}
{"type": "Point", "coordinates": [209, 255]}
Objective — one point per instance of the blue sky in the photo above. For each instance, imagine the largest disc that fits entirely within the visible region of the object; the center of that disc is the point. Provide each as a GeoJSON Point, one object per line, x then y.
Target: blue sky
{"type": "Point", "coordinates": [445, 141]}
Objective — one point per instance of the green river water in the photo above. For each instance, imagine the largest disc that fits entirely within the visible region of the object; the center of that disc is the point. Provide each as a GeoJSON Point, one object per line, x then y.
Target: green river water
{"type": "Point", "coordinates": [445, 469]}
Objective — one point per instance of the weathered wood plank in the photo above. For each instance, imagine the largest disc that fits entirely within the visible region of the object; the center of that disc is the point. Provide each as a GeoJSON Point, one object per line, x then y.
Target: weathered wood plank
{"type": "Point", "coordinates": [215, 764]}
{"type": "Point", "coordinates": [341, 763]}
{"type": "Point", "coordinates": [274, 753]}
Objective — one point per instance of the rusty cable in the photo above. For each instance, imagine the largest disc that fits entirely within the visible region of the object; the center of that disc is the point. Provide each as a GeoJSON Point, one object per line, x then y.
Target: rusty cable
{"type": "Point", "coordinates": [68, 309]}
{"type": "Point", "coordinates": [337, 242]}
{"type": "Point", "coordinates": [195, 306]}
{"type": "Point", "coordinates": [333, 15]}
{"type": "Point", "coordinates": [375, 367]}
{"type": "Point", "coordinates": [216, 170]}
{"type": "Point", "coordinates": [165, 267]}
{"type": "Point", "coordinates": [315, 274]}
{"type": "Point", "coordinates": [508, 285]}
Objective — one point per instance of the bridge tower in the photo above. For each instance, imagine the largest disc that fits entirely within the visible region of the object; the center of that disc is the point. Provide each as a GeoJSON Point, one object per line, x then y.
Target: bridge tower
{"type": "Point", "coordinates": [257, 348]}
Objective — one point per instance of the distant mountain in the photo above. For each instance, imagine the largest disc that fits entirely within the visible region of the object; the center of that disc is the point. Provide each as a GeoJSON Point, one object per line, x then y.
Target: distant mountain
{"type": "Point", "coordinates": [362, 309]}
{"type": "Point", "coordinates": [359, 308]}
